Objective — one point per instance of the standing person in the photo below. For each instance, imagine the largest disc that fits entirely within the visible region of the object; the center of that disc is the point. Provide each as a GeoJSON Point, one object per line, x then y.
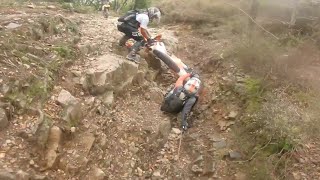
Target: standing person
{"type": "Point", "coordinates": [183, 97]}
{"type": "Point", "coordinates": [134, 25]}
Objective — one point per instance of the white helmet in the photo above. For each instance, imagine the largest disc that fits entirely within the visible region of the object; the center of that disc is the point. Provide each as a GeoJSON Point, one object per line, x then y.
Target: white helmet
{"type": "Point", "coordinates": [154, 13]}
{"type": "Point", "coordinates": [192, 86]}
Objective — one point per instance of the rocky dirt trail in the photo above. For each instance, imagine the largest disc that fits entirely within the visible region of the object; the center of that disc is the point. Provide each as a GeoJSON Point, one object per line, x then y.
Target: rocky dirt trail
{"type": "Point", "coordinates": [103, 118]}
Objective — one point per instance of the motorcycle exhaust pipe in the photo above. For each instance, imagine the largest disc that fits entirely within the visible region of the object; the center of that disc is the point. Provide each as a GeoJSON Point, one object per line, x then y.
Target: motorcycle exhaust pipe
{"type": "Point", "coordinates": [168, 61]}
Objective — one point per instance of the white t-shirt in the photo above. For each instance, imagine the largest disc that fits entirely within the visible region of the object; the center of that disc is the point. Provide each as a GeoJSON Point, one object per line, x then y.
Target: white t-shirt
{"type": "Point", "coordinates": [143, 19]}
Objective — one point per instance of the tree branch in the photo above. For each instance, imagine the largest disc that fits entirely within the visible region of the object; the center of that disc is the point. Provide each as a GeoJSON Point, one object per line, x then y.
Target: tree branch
{"type": "Point", "coordinates": [261, 27]}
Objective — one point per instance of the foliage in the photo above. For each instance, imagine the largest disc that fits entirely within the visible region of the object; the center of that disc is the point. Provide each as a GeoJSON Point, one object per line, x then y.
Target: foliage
{"type": "Point", "coordinates": [254, 92]}
{"type": "Point", "coordinates": [141, 4]}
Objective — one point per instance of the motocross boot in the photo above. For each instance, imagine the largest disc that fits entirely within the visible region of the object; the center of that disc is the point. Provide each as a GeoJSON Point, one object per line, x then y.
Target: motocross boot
{"type": "Point", "coordinates": [185, 126]}
{"type": "Point", "coordinates": [132, 56]}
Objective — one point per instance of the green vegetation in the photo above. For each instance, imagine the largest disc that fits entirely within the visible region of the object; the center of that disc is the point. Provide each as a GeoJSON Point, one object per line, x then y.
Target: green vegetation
{"type": "Point", "coordinates": [63, 51]}
{"type": "Point", "coordinates": [141, 4]}
{"type": "Point", "coordinates": [254, 93]}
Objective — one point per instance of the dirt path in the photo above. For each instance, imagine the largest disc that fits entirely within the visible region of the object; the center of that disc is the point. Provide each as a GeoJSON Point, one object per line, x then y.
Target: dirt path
{"type": "Point", "coordinates": [122, 134]}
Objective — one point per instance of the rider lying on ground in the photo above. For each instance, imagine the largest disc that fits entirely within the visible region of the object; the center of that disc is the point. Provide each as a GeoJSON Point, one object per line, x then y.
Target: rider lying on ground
{"type": "Point", "coordinates": [183, 97]}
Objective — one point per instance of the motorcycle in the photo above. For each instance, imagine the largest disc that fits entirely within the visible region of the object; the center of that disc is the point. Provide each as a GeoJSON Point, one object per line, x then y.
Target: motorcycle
{"type": "Point", "coordinates": [158, 51]}
{"type": "Point", "coordinates": [106, 9]}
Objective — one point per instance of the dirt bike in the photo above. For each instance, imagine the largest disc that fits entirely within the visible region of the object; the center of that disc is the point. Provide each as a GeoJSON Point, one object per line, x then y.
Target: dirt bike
{"type": "Point", "coordinates": [158, 50]}
{"type": "Point", "coordinates": [106, 9]}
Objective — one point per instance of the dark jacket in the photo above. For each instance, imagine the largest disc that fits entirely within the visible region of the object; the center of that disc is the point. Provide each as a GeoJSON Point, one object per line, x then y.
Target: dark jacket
{"type": "Point", "coordinates": [175, 103]}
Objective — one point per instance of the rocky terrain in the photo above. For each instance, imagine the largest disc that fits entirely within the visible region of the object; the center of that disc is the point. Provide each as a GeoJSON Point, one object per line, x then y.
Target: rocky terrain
{"type": "Point", "coordinates": [72, 107]}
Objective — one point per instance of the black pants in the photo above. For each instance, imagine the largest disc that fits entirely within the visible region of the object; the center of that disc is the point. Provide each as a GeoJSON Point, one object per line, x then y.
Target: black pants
{"type": "Point", "coordinates": [130, 32]}
{"type": "Point", "coordinates": [172, 104]}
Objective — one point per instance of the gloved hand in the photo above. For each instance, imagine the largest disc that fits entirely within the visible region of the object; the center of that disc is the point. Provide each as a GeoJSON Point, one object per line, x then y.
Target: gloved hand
{"type": "Point", "coordinates": [150, 42]}
{"type": "Point", "coordinates": [184, 126]}
{"type": "Point", "coordinates": [194, 74]}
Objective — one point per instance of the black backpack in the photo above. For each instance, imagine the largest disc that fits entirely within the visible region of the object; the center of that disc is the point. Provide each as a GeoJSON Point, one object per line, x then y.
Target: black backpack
{"type": "Point", "coordinates": [130, 17]}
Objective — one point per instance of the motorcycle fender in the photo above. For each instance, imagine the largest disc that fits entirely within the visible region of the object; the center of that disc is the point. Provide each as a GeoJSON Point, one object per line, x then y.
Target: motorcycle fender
{"type": "Point", "coordinates": [167, 60]}
{"type": "Point", "coordinates": [159, 46]}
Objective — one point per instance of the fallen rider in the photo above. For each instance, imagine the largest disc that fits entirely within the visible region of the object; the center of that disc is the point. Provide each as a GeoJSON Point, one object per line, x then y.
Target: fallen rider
{"type": "Point", "coordinates": [183, 97]}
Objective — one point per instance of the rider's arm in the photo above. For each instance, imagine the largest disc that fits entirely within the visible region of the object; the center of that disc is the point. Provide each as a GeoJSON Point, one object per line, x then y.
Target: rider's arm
{"type": "Point", "coordinates": [143, 20]}
{"type": "Point", "coordinates": [179, 82]}
{"type": "Point", "coordinates": [144, 32]}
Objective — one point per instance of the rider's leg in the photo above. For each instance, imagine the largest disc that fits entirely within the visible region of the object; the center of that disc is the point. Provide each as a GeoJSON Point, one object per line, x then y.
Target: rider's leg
{"type": "Point", "coordinates": [123, 40]}
{"type": "Point", "coordinates": [187, 110]}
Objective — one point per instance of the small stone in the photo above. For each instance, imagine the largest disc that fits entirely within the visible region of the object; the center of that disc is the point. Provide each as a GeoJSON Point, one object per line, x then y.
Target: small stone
{"type": "Point", "coordinates": [140, 172]}
{"type": "Point", "coordinates": [97, 174]}
{"type": "Point", "coordinates": [39, 177]}
{"type": "Point", "coordinates": [232, 115]}
{"type": "Point", "coordinates": [31, 6]}
{"type": "Point", "coordinates": [220, 144]}
{"type": "Point", "coordinates": [13, 25]}
{"type": "Point", "coordinates": [51, 7]}
{"type": "Point", "coordinates": [198, 160]}
{"type": "Point", "coordinates": [157, 173]}
{"type": "Point", "coordinates": [234, 155]}
{"type": "Point", "coordinates": [73, 129]}
{"type": "Point", "coordinates": [108, 98]}
{"type": "Point", "coordinates": [90, 100]}
{"type": "Point", "coordinates": [210, 168]}
{"type": "Point", "coordinates": [65, 98]}
{"type": "Point", "coordinates": [8, 141]}
{"type": "Point", "coordinates": [2, 155]}
{"type": "Point", "coordinates": [224, 125]}
{"type": "Point", "coordinates": [3, 119]}
{"type": "Point", "coordinates": [241, 176]}
{"type": "Point", "coordinates": [5, 89]}
{"type": "Point", "coordinates": [133, 149]}
{"type": "Point", "coordinates": [214, 137]}
{"type": "Point", "coordinates": [176, 131]}
{"type": "Point", "coordinates": [196, 169]}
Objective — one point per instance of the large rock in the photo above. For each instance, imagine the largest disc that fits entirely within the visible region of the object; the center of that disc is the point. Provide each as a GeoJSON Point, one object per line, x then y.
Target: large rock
{"type": "Point", "coordinates": [6, 175]}
{"type": "Point", "coordinates": [3, 119]}
{"type": "Point", "coordinates": [73, 114]}
{"type": "Point", "coordinates": [65, 98]}
{"type": "Point", "coordinates": [156, 95]}
{"type": "Point", "coordinates": [164, 129]}
{"type": "Point", "coordinates": [107, 98]}
{"type": "Point", "coordinates": [54, 141]}
{"type": "Point", "coordinates": [139, 79]}
{"type": "Point", "coordinates": [109, 73]}
{"type": "Point", "coordinates": [42, 133]}
{"type": "Point", "coordinates": [96, 174]}
{"type": "Point", "coordinates": [151, 75]}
